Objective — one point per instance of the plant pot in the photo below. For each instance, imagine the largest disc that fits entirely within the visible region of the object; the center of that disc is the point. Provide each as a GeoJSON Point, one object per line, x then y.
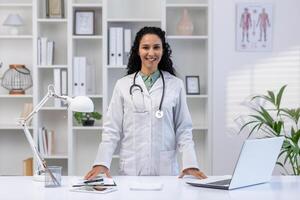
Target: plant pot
{"type": "Point", "coordinates": [88, 122]}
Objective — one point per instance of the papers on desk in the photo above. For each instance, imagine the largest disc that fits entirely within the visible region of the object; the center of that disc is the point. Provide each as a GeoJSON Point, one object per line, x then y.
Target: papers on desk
{"type": "Point", "coordinates": [100, 184]}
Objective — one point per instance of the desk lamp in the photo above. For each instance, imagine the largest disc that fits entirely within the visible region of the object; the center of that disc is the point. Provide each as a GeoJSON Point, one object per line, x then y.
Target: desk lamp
{"type": "Point", "coordinates": [78, 104]}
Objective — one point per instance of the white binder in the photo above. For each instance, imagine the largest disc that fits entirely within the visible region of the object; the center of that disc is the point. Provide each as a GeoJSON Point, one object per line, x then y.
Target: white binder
{"type": "Point", "coordinates": [112, 46]}
{"type": "Point", "coordinates": [76, 72]}
{"type": "Point", "coordinates": [57, 86]}
{"type": "Point", "coordinates": [127, 44]}
{"type": "Point", "coordinates": [119, 46]}
{"type": "Point", "coordinates": [82, 76]}
{"type": "Point", "coordinates": [64, 82]}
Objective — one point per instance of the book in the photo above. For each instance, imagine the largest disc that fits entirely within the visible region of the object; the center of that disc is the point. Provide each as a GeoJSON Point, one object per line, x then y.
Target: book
{"type": "Point", "coordinates": [76, 72]}
{"type": "Point", "coordinates": [127, 44]}
{"type": "Point", "coordinates": [28, 167]}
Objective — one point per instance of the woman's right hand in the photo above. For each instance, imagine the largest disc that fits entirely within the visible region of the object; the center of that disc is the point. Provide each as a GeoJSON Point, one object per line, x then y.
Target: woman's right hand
{"type": "Point", "coordinates": [97, 170]}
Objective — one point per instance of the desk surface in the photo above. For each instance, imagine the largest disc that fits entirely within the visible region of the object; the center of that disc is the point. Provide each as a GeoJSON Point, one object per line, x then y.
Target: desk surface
{"type": "Point", "coordinates": [281, 187]}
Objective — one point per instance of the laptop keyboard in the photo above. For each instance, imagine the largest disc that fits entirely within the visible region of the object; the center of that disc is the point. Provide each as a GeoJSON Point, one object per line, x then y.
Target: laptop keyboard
{"type": "Point", "coordinates": [222, 182]}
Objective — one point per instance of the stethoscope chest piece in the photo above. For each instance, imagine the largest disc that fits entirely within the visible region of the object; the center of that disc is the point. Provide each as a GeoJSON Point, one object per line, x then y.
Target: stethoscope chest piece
{"type": "Point", "coordinates": [159, 114]}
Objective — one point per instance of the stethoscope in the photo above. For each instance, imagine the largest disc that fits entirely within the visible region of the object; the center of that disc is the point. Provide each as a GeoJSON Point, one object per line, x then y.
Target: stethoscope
{"type": "Point", "coordinates": [159, 113]}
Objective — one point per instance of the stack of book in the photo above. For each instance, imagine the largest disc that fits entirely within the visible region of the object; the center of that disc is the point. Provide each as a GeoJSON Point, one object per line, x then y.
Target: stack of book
{"type": "Point", "coordinates": [45, 51]}
{"type": "Point", "coordinates": [119, 46]}
{"type": "Point", "coordinates": [100, 184]}
{"type": "Point", "coordinates": [45, 141]}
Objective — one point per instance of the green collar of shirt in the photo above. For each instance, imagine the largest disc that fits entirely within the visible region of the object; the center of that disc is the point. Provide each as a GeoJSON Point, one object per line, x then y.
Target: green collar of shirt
{"type": "Point", "coordinates": [150, 80]}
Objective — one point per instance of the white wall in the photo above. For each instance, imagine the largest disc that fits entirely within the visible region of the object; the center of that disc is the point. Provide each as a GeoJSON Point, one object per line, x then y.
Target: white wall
{"type": "Point", "coordinates": [236, 75]}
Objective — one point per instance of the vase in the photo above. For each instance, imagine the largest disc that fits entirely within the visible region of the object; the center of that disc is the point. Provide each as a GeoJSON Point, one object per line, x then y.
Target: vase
{"type": "Point", "coordinates": [185, 25]}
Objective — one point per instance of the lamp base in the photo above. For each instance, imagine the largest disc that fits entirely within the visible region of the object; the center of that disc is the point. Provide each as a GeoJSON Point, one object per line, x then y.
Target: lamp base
{"type": "Point", "coordinates": [16, 92]}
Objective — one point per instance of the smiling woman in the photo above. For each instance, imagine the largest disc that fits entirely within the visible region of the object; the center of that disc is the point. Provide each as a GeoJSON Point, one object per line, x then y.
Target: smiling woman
{"type": "Point", "coordinates": [148, 115]}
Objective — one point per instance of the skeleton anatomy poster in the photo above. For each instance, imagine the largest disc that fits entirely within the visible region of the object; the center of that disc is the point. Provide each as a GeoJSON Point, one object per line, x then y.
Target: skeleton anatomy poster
{"type": "Point", "coordinates": [254, 27]}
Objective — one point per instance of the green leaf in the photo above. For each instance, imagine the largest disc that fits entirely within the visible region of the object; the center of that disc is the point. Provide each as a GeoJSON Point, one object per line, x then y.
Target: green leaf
{"type": "Point", "coordinates": [272, 96]}
{"type": "Point", "coordinates": [279, 96]}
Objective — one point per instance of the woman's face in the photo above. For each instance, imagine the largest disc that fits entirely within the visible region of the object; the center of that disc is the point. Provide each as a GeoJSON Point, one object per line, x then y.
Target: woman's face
{"type": "Point", "coordinates": [150, 51]}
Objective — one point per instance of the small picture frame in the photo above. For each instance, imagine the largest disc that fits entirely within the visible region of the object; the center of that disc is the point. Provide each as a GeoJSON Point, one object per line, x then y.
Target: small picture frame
{"type": "Point", "coordinates": [55, 9]}
{"type": "Point", "coordinates": [84, 22]}
{"type": "Point", "coordinates": [192, 85]}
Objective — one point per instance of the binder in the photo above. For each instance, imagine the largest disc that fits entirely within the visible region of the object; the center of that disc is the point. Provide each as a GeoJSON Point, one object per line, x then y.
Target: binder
{"type": "Point", "coordinates": [44, 51]}
{"type": "Point", "coordinates": [82, 76]}
{"type": "Point", "coordinates": [50, 52]}
{"type": "Point", "coordinates": [76, 72]}
{"type": "Point", "coordinates": [39, 51]}
{"type": "Point", "coordinates": [127, 44]}
{"type": "Point", "coordinates": [64, 82]}
{"type": "Point", "coordinates": [57, 86]}
{"type": "Point", "coordinates": [112, 46]}
{"type": "Point", "coordinates": [119, 46]}
{"type": "Point", "coordinates": [90, 79]}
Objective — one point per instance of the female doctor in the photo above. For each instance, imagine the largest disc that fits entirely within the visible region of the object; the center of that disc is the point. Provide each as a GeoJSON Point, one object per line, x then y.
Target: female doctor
{"type": "Point", "coordinates": [148, 115]}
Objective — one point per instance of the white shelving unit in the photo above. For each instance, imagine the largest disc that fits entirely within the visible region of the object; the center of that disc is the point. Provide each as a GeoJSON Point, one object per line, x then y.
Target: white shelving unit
{"type": "Point", "coordinates": [75, 147]}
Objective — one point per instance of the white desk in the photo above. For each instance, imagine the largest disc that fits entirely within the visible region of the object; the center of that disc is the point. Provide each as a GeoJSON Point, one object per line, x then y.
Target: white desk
{"type": "Point", "coordinates": [284, 187]}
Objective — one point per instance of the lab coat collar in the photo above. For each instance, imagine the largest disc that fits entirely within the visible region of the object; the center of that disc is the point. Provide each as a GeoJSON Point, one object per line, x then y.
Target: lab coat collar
{"type": "Point", "coordinates": [158, 83]}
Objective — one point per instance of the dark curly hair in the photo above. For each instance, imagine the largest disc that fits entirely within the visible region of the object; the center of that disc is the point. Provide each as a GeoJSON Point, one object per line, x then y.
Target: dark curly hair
{"type": "Point", "coordinates": [134, 63]}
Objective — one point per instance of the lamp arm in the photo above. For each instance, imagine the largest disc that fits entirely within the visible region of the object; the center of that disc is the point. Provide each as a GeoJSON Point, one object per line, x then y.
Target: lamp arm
{"type": "Point", "coordinates": [41, 161]}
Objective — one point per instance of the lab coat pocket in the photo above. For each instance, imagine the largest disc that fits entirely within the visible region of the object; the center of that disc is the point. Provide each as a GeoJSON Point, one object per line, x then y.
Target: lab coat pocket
{"type": "Point", "coordinates": [141, 127]}
{"type": "Point", "coordinates": [167, 163]}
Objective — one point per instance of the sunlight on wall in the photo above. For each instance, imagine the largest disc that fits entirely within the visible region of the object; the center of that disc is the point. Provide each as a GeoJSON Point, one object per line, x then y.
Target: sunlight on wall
{"type": "Point", "coordinates": [266, 74]}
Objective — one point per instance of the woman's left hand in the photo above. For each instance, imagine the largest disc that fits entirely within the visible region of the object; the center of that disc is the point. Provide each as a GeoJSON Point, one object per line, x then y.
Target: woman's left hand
{"type": "Point", "coordinates": [194, 172]}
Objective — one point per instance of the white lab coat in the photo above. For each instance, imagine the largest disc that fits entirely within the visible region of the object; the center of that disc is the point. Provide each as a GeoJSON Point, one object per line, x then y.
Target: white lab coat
{"type": "Point", "coordinates": [148, 145]}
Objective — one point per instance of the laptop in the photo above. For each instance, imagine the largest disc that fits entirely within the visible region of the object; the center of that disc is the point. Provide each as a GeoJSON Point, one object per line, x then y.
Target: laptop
{"type": "Point", "coordinates": [255, 165]}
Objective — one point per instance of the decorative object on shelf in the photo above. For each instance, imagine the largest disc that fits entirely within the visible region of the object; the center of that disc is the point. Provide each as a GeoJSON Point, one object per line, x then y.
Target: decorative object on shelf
{"type": "Point", "coordinates": [87, 119]}
{"type": "Point", "coordinates": [17, 79]}
{"type": "Point", "coordinates": [192, 84]}
{"type": "Point", "coordinates": [185, 25]}
{"type": "Point", "coordinates": [84, 22]}
{"type": "Point", "coordinates": [78, 104]}
{"type": "Point", "coordinates": [55, 8]}
{"type": "Point", "coordinates": [270, 119]}
{"type": "Point", "coordinates": [14, 21]}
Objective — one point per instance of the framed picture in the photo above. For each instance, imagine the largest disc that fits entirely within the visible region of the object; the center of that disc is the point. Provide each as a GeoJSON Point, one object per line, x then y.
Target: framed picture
{"type": "Point", "coordinates": [192, 84]}
{"type": "Point", "coordinates": [84, 22]}
{"type": "Point", "coordinates": [55, 8]}
{"type": "Point", "coordinates": [254, 26]}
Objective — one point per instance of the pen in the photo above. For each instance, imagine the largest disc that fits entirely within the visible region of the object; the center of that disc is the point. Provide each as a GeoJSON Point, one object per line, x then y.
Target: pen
{"type": "Point", "coordinates": [95, 180]}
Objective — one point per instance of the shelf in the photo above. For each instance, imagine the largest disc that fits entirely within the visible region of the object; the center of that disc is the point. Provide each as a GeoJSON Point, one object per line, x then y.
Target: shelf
{"type": "Point", "coordinates": [89, 37]}
{"type": "Point", "coordinates": [189, 37]}
{"type": "Point", "coordinates": [15, 5]}
{"type": "Point", "coordinates": [87, 128]}
{"type": "Point", "coordinates": [7, 96]}
{"type": "Point", "coordinates": [187, 5]}
{"type": "Point", "coordinates": [21, 37]}
{"type": "Point", "coordinates": [52, 66]}
{"type": "Point", "coordinates": [54, 108]}
{"type": "Point", "coordinates": [12, 127]}
{"type": "Point", "coordinates": [55, 157]}
{"type": "Point", "coordinates": [201, 96]}
{"type": "Point", "coordinates": [52, 20]}
{"type": "Point", "coordinates": [99, 96]}
{"type": "Point", "coordinates": [116, 67]}
{"type": "Point", "coordinates": [87, 5]}
{"type": "Point", "coordinates": [132, 20]}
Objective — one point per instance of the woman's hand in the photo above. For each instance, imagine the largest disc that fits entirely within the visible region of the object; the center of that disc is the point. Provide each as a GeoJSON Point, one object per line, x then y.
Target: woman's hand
{"type": "Point", "coordinates": [194, 172]}
{"type": "Point", "coordinates": [97, 170]}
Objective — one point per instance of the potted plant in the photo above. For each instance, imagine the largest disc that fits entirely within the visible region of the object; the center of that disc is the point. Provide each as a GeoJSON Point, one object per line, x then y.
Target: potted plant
{"type": "Point", "coordinates": [87, 119]}
{"type": "Point", "coordinates": [272, 120]}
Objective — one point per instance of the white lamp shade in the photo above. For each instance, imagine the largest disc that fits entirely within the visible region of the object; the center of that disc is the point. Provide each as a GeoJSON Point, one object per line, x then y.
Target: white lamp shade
{"type": "Point", "coordinates": [13, 20]}
{"type": "Point", "coordinates": [81, 104]}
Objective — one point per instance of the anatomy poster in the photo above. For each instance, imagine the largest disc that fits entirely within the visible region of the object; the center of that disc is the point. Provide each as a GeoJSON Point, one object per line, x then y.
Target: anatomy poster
{"type": "Point", "coordinates": [254, 27]}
